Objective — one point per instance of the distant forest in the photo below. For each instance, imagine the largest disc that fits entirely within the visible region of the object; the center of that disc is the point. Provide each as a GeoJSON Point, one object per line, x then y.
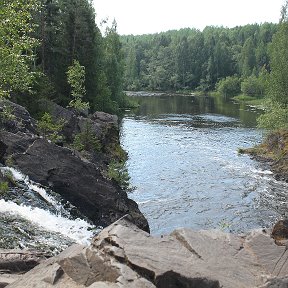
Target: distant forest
{"type": "Point", "coordinates": [189, 59]}
{"type": "Point", "coordinates": [53, 49]}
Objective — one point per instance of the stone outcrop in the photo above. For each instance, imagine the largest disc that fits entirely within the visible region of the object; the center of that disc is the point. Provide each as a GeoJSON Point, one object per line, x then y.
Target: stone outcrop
{"type": "Point", "coordinates": [66, 171]}
{"type": "Point", "coordinates": [122, 255]}
{"type": "Point", "coordinates": [13, 263]}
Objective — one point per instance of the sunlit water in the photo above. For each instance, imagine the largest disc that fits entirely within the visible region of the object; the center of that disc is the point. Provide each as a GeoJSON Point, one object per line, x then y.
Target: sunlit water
{"type": "Point", "coordinates": [186, 171]}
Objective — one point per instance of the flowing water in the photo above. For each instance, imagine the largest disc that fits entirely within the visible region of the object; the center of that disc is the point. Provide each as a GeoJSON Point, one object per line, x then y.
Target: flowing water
{"type": "Point", "coordinates": [186, 171]}
{"type": "Point", "coordinates": [32, 216]}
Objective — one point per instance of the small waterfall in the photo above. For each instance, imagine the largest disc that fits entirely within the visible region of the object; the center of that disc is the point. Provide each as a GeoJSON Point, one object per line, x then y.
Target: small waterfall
{"type": "Point", "coordinates": [33, 216]}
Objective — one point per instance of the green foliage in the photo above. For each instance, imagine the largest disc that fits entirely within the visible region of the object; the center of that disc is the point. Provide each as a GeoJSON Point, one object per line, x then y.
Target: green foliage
{"type": "Point", "coordinates": [278, 84]}
{"type": "Point", "coordinates": [17, 46]}
{"type": "Point", "coordinates": [86, 140]}
{"type": "Point", "coordinates": [76, 79]}
{"type": "Point", "coordinates": [229, 87]}
{"type": "Point", "coordinates": [253, 86]}
{"type": "Point", "coordinates": [118, 172]}
{"type": "Point", "coordinates": [189, 59]}
{"type": "Point", "coordinates": [7, 113]}
{"type": "Point", "coordinates": [275, 117]}
{"type": "Point", "coordinates": [8, 175]}
{"type": "Point", "coordinates": [4, 187]}
{"type": "Point", "coordinates": [49, 128]}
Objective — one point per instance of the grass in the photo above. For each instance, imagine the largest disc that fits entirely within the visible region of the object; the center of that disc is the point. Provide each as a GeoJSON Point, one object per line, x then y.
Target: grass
{"type": "Point", "coordinates": [4, 187]}
{"type": "Point", "coordinates": [249, 100]}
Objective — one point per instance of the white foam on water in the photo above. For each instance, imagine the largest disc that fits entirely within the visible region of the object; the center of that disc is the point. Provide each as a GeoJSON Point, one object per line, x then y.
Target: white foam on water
{"type": "Point", "coordinates": [78, 230]}
{"type": "Point", "coordinates": [262, 172]}
{"type": "Point", "coordinates": [18, 176]}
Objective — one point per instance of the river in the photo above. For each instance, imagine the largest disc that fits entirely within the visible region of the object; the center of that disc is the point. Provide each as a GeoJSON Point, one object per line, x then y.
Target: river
{"type": "Point", "coordinates": [185, 169]}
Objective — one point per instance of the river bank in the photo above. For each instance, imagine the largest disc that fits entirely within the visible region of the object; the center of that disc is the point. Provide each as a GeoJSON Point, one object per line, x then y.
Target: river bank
{"type": "Point", "coordinates": [274, 152]}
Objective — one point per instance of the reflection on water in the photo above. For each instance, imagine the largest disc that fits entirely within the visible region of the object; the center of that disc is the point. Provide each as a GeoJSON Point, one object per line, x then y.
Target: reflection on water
{"type": "Point", "coordinates": [184, 164]}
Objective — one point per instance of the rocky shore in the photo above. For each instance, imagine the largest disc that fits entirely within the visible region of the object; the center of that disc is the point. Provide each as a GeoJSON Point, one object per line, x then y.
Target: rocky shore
{"type": "Point", "coordinates": [273, 152]}
{"type": "Point", "coordinates": [123, 255]}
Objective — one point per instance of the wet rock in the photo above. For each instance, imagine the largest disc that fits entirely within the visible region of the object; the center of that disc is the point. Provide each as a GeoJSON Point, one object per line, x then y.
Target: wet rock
{"type": "Point", "coordinates": [80, 182]}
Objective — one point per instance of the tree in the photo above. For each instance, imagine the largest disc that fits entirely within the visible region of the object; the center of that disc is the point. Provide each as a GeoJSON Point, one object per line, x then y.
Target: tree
{"type": "Point", "coordinates": [253, 86]}
{"type": "Point", "coordinates": [17, 46]}
{"type": "Point", "coordinates": [229, 87]}
{"type": "Point", "coordinates": [114, 61]}
{"type": "Point", "coordinates": [278, 84]}
{"type": "Point", "coordinates": [276, 115]}
{"type": "Point", "coordinates": [76, 79]}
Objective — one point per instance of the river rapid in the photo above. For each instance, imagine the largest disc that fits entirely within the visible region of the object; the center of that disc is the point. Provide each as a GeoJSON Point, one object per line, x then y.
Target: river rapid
{"type": "Point", "coordinates": [186, 171]}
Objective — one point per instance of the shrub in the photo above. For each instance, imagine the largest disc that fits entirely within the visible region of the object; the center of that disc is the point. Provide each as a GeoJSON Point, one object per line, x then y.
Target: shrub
{"type": "Point", "coordinates": [86, 140]}
{"type": "Point", "coordinates": [253, 86]}
{"type": "Point", "coordinates": [4, 187]}
{"type": "Point", "coordinates": [275, 117]}
{"type": "Point", "coordinates": [229, 87]}
{"type": "Point", "coordinates": [118, 172]}
{"type": "Point", "coordinates": [50, 129]}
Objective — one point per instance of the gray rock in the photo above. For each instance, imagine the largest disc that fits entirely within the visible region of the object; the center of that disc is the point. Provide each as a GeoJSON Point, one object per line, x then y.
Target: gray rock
{"type": "Point", "coordinates": [19, 119]}
{"type": "Point", "coordinates": [6, 279]}
{"type": "Point", "coordinates": [122, 255]}
{"type": "Point", "coordinates": [19, 261]}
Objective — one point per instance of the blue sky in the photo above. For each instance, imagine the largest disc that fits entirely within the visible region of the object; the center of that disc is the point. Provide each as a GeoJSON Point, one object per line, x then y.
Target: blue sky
{"type": "Point", "coordinates": [152, 16]}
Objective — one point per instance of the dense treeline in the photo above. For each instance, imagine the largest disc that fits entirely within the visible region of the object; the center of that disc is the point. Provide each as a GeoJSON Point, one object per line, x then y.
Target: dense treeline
{"type": "Point", "coordinates": [41, 39]}
{"type": "Point", "coordinates": [191, 59]}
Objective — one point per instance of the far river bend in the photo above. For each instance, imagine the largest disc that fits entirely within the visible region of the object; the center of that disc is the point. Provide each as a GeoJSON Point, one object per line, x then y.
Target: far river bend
{"type": "Point", "coordinates": [184, 165]}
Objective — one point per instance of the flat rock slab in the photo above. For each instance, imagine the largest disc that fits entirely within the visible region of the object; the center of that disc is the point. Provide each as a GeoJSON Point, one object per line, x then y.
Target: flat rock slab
{"type": "Point", "coordinates": [122, 255]}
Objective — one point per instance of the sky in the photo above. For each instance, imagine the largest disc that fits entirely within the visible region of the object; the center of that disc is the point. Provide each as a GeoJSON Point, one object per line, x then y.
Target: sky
{"type": "Point", "coordinates": [154, 16]}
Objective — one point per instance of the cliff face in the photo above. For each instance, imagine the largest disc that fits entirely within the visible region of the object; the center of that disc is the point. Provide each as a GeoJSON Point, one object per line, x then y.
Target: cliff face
{"type": "Point", "coordinates": [79, 177]}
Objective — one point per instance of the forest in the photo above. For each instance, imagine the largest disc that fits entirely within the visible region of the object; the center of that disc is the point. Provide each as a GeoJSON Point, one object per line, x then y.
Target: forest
{"type": "Point", "coordinates": [41, 40]}
{"type": "Point", "coordinates": [53, 49]}
{"type": "Point", "coordinates": [190, 59]}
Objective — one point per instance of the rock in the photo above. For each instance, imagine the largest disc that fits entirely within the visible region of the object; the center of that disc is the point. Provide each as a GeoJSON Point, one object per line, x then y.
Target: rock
{"type": "Point", "coordinates": [122, 255]}
{"type": "Point", "coordinates": [80, 182]}
{"type": "Point", "coordinates": [280, 232]}
{"type": "Point", "coordinates": [77, 179]}
{"type": "Point", "coordinates": [105, 117]}
{"type": "Point", "coordinates": [19, 261]}
{"type": "Point", "coordinates": [19, 119]}
{"type": "Point", "coordinates": [103, 125]}
{"type": "Point", "coordinates": [6, 279]}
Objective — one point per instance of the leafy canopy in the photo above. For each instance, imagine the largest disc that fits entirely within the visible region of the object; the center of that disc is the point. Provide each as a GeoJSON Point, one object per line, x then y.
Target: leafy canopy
{"type": "Point", "coordinates": [16, 45]}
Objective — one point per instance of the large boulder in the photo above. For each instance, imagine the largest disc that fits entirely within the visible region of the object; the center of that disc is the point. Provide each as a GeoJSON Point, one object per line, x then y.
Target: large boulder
{"type": "Point", "coordinates": [102, 125]}
{"type": "Point", "coordinates": [122, 255]}
{"type": "Point", "coordinates": [15, 118]}
{"type": "Point", "coordinates": [67, 172]}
